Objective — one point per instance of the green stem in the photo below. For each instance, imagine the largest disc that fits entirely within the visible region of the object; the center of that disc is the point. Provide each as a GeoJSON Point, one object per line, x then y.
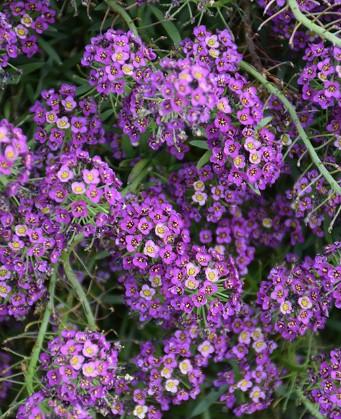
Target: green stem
{"type": "Point", "coordinates": [124, 15]}
{"type": "Point", "coordinates": [295, 119]}
{"type": "Point", "coordinates": [313, 27]}
{"type": "Point", "coordinates": [77, 287]}
{"type": "Point", "coordinates": [41, 335]}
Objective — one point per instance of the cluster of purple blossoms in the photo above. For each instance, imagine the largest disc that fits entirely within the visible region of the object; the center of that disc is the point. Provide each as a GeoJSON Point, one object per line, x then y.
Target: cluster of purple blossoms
{"type": "Point", "coordinates": [15, 159]}
{"type": "Point", "coordinates": [233, 220]}
{"type": "Point", "coordinates": [298, 297]}
{"type": "Point", "coordinates": [251, 377]}
{"type": "Point", "coordinates": [326, 392]}
{"type": "Point", "coordinates": [167, 275]}
{"type": "Point", "coordinates": [166, 374]}
{"type": "Point", "coordinates": [40, 406]}
{"type": "Point", "coordinates": [5, 371]}
{"type": "Point", "coordinates": [81, 190]}
{"type": "Point", "coordinates": [312, 200]}
{"type": "Point", "coordinates": [284, 24]}
{"type": "Point", "coordinates": [64, 122]}
{"type": "Point", "coordinates": [30, 243]}
{"type": "Point", "coordinates": [190, 93]}
{"type": "Point", "coordinates": [20, 23]}
{"type": "Point", "coordinates": [79, 372]}
{"type": "Point", "coordinates": [319, 77]}
{"type": "Point", "coordinates": [115, 59]}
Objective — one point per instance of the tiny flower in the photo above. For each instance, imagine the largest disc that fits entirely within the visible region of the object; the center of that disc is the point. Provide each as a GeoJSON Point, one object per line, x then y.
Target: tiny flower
{"type": "Point", "coordinates": [244, 384]}
{"type": "Point", "coordinates": [200, 198]}
{"type": "Point", "coordinates": [212, 275]}
{"type": "Point", "coordinates": [147, 292]}
{"type": "Point", "coordinates": [90, 369]}
{"type": "Point", "coordinates": [76, 361]}
{"type": "Point", "coordinates": [64, 174]}
{"type": "Point", "coordinates": [172, 385]}
{"type": "Point", "coordinates": [286, 307]}
{"type": "Point", "coordinates": [140, 411]}
{"type": "Point", "coordinates": [78, 188]}
{"type": "Point", "coordinates": [90, 350]}
{"type": "Point", "coordinates": [199, 185]}
{"type": "Point", "coordinates": [305, 302]}
{"type": "Point", "coordinates": [205, 348]}
{"type": "Point", "coordinates": [192, 270]}
{"type": "Point", "coordinates": [79, 209]}
{"type": "Point", "coordinates": [185, 366]}
{"type": "Point", "coordinates": [151, 249]}
{"type": "Point", "coordinates": [256, 394]}
{"type": "Point", "coordinates": [91, 176]}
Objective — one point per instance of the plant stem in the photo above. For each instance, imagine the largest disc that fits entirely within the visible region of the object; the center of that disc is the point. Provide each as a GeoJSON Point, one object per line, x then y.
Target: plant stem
{"type": "Point", "coordinates": [77, 287]}
{"type": "Point", "coordinates": [313, 27]}
{"type": "Point", "coordinates": [124, 15]}
{"type": "Point", "coordinates": [41, 335]}
{"type": "Point", "coordinates": [295, 119]}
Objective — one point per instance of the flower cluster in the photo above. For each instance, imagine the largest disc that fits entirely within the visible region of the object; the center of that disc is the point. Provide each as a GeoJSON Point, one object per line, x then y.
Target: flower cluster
{"type": "Point", "coordinates": [251, 377]}
{"type": "Point", "coordinates": [312, 200]}
{"type": "Point", "coordinates": [190, 94]}
{"type": "Point", "coordinates": [284, 24]}
{"type": "Point", "coordinates": [82, 190]}
{"type": "Point", "coordinates": [319, 78]}
{"type": "Point", "coordinates": [30, 243]}
{"type": "Point", "coordinates": [166, 374]}
{"type": "Point", "coordinates": [15, 159]}
{"type": "Point", "coordinates": [115, 58]}
{"type": "Point", "coordinates": [298, 298]}
{"type": "Point", "coordinates": [79, 370]}
{"type": "Point", "coordinates": [232, 217]}
{"type": "Point", "coordinates": [20, 24]}
{"type": "Point", "coordinates": [64, 122]}
{"type": "Point", "coordinates": [326, 392]}
{"type": "Point", "coordinates": [167, 274]}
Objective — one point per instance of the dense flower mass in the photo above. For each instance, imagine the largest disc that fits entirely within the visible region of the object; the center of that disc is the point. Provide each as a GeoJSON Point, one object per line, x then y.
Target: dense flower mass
{"type": "Point", "coordinates": [170, 202]}
{"type": "Point", "coordinates": [15, 159]}
{"type": "Point", "coordinates": [79, 371]}
{"type": "Point", "coordinates": [203, 92]}
{"type": "Point", "coordinates": [21, 22]}
{"type": "Point", "coordinates": [30, 243]}
{"type": "Point", "coordinates": [81, 190]}
{"type": "Point", "coordinates": [250, 376]}
{"type": "Point", "coordinates": [115, 58]}
{"type": "Point", "coordinates": [299, 297]}
{"type": "Point", "coordinates": [63, 122]}
{"type": "Point", "coordinates": [326, 390]}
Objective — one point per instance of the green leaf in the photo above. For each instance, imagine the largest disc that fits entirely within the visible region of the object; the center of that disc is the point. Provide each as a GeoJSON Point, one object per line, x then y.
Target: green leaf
{"type": "Point", "coordinates": [137, 169]}
{"type": "Point", "coordinates": [205, 403]}
{"type": "Point", "coordinates": [50, 51]}
{"type": "Point", "coordinates": [169, 27]}
{"type": "Point", "coordinates": [31, 67]}
{"type": "Point", "coordinates": [265, 121]}
{"type": "Point", "coordinates": [199, 144]}
{"type": "Point", "coordinates": [205, 158]}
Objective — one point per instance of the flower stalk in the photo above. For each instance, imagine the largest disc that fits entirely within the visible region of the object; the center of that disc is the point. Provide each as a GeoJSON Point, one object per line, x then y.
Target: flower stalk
{"type": "Point", "coordinates": [295, 119]}
{"type": "Point", "coordinates": [41, 335]}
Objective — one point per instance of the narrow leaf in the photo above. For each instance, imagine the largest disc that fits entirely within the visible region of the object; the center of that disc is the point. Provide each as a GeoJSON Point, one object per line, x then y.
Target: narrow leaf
{"type": "Point", "coordinates": [169, 27]}
{"type": "Point", "coordinates": [199, 144]}
{"type": "Point", "coordinates": [204, 159]}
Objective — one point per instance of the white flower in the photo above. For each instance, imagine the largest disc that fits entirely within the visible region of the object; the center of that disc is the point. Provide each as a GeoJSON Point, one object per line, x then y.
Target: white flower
{"type": "Point", "coordinates": [205, 348]}
{"type": "Point", "coordinates": [140, 411]}
{"type": "Point", "coordinates": [305, 302]}
{"type": "Point", "coordinates": [172, 385]}
{"type": "Point", "coordinates": [185, 366]}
